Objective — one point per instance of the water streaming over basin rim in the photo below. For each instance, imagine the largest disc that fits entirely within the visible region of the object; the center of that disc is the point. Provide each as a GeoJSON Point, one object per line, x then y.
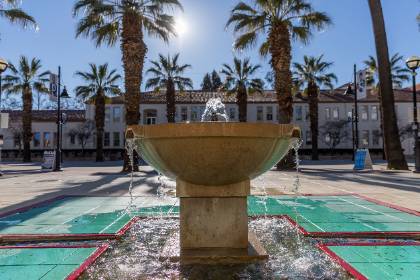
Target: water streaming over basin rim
{"type": "Point", "coordinates": [136, 256]}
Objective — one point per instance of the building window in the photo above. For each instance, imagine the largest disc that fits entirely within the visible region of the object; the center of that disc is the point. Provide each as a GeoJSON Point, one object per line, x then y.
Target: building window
{"type": "Point", "coordinates": [184, 114]}
{"type": "Point", "coordinates": [364, 112]}
{"type": "Point", "coordinates": [47, 139]}
{"type": "Point", "coordinates": [327, 138]}
{"type": "Point", "coordinates": [195, 113]}
{"type": "Point", "coordinates": [298, 113]}
{"type": "Point", "coordinates": [107, 139]}
{"type": "Point", "coordinates": [232, 113]}
{"type": "Point", "coordinates": [73, 139]}
{"type": "Point", "coordinates": [327, 113]}
{"type": "Point", "coordinates": [17, 140]}
{"type": "Point", "coordinates": [269, 113]}
{"type": "Point", "coordinates": [37, 139]}
{"type": "Point", "coordinates": [308, 138]}
{"type": "Point", "coordinates": [116, 139]}
{"type": "Point", "coordinates": [374, 113]}
{"type": "Point", "coordinates": [107, 115]}
{"type": "Point", "coordinates": [260, 113]}
{"type": "Point", "coordinates": [55, 139]}
{"type": "Point", "coordinates": [336, 114]}
{"type": "Point", "coordinates": [150, 117]}
{"type": "Point", "coordinates": [307, 114]}
{"type": "Point", "coordinates": [116, 113]}
{"type": "Point", "coordinates": [376, 136]}
{"type": "Point", "coordinates": [365, 138]}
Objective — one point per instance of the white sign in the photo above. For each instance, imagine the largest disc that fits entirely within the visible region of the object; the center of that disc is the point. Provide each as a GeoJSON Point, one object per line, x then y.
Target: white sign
{"type": "Point", "coordinates": [48, 161]}
{"type": "Point", "coordinates": [4, 120]}
{"type": "Point", "coordinates": [53, 86]}
{"type": "Point", "coordinates": [361, 85]}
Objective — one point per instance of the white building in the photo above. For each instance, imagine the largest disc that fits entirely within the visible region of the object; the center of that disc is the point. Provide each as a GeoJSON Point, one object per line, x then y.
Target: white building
{"type": "Point", "coordinates": [335, 127]}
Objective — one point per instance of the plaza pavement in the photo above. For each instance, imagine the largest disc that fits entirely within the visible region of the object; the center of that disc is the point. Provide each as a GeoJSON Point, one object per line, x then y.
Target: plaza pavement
{"type": "Point", "coordinates": [25, 184]}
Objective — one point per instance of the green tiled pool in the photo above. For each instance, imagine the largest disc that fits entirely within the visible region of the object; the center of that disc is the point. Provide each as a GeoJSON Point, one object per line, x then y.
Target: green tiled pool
{"type": "Point", "coordinates": [316, 215]}
{"type": "Point", "coordinates": [337, 214]}
{"type": "Point", "coordinates": [46, 263]}
{"type": "Point", "coordinates": [75, 216]}
{"type": "Point", "coordinates": [382, 262]}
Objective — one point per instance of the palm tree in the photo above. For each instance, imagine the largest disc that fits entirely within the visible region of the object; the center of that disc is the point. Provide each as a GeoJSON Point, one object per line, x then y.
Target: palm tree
{"type": "Point", "coordinates": [393, 149]}
{"type": "Point", "coordinates": [24, 79]}
{"type": "Point", "coordinates": [239, 80]}
{"type": "Point", "coordinates": [278, 21]}
{"type": "Point", "coordinates": [399, 74]}
{"type": "Point", "coordinates": [106, 21]}
{"type": "Point", "coordinates": [100, 82]}
{"type": "Point", "coordinates": [313, 75]}
{"type": "Point", "coordinates": [9, 9]}
{"type": "Point", "coordinates": [167, 74]}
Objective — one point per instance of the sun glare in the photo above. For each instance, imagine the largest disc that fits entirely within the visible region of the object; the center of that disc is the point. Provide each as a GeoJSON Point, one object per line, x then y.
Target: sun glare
{"type": "Point", "coordinates": [181, 27]}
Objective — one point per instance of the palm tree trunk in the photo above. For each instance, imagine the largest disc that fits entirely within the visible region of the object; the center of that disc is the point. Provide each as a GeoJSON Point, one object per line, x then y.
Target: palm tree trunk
{"type": "Point", "coordinates": [100, 122]}
{"type": "Point", "coordinates": [280, 50]}
{"type": "Point", "coordinates": [27, 123]}
{"type": "Point", "coordinates": [313, 113]}
{"type": "Point", "coordinates": [393, 147]}
{"type": "Point", "coordinates": [170, 101]}
{"type": "Point", "coordinates": [242, 103]}
{"type": "Point", "coordinates": [134, 51]}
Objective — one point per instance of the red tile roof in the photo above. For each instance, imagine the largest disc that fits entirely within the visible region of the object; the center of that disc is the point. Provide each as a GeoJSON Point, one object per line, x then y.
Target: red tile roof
{"type": "Point", "coordinates": [198, 97]}
{"type": "Point", "coordinates": [47, 115]}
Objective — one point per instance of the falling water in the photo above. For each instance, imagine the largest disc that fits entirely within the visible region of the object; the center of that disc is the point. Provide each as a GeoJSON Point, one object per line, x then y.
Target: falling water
{"type": "Point", "coordinates": [295, 146]}
{"type": "Point", "coordinates": [130, 147]}
{"type": "Point", "coordinates": [215, 111]}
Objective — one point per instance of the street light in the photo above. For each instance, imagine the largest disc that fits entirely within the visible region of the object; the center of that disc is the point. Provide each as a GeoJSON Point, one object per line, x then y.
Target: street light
{"type": "Point", "coordinates": [3, 67]}
{"type": "Point", "coordinates": [413, 63]}
{"type": "Point", "coordinates": [353, 91]}
{"type": "Point", "coordinates": [58, 155]}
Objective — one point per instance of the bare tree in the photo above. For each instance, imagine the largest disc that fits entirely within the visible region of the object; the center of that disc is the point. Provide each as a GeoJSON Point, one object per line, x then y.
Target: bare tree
{"type": "Point", "coordinates": [83, 133]}
{"type": "Point", "coordinates": [334, 133]}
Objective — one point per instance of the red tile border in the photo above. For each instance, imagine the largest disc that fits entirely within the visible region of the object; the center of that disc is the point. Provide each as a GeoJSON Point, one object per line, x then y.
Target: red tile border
{"type": "Point", "coordinates": [89, 261]}
{"type": "Point", "coordinates": [343, 263]}
{"type": "Point", "coordinates": [33, 205]}
{"type": "Point", "coordinates": [354, 272]}
{"type": "Point", "coordinates": [78, 271]}
{"type": "Point", "coordinates": [396, 207]}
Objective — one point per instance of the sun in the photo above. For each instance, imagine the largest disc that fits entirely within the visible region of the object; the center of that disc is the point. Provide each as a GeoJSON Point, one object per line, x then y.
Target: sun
{"type": "Point", "coordinates": [181, 27]}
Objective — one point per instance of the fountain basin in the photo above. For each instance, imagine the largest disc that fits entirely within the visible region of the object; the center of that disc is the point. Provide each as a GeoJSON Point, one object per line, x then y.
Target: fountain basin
{"type": "Point", "coordinates": [213, 164]}
{"type": "Point", "coordinates": [207, 153]}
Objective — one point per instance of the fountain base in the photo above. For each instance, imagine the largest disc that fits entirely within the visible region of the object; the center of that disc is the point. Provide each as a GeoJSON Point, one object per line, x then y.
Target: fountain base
{"type": "Point", "coordinates": [254, 253]}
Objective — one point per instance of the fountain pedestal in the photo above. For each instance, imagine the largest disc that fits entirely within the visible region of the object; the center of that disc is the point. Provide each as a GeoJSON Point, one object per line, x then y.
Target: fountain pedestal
{"type": "Point", "coordinates": [214, 225]}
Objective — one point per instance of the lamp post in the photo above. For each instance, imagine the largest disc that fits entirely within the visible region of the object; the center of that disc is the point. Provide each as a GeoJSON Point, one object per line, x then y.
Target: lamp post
{"type": "Point", "coordinates": [413, 63]}
{"type": "Point", "coordinates": [3, 67]}
{"type": "Point", "coordinates": [355, 112]}
{"type": "Point", "coordinates": [60, 95]}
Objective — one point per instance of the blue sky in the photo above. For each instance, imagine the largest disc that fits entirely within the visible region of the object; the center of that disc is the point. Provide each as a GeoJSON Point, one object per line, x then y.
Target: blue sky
{"type": "Point", "coordinates": [206, 44]}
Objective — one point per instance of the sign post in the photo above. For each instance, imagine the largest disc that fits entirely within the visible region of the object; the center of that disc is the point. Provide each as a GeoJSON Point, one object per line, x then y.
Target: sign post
{"type": "Point", "coordinates": [48, 161]}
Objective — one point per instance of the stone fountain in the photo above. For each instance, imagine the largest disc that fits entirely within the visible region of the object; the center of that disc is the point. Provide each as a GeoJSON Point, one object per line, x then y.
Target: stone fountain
{"type": "Point", "coordinates": [213, 164]}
